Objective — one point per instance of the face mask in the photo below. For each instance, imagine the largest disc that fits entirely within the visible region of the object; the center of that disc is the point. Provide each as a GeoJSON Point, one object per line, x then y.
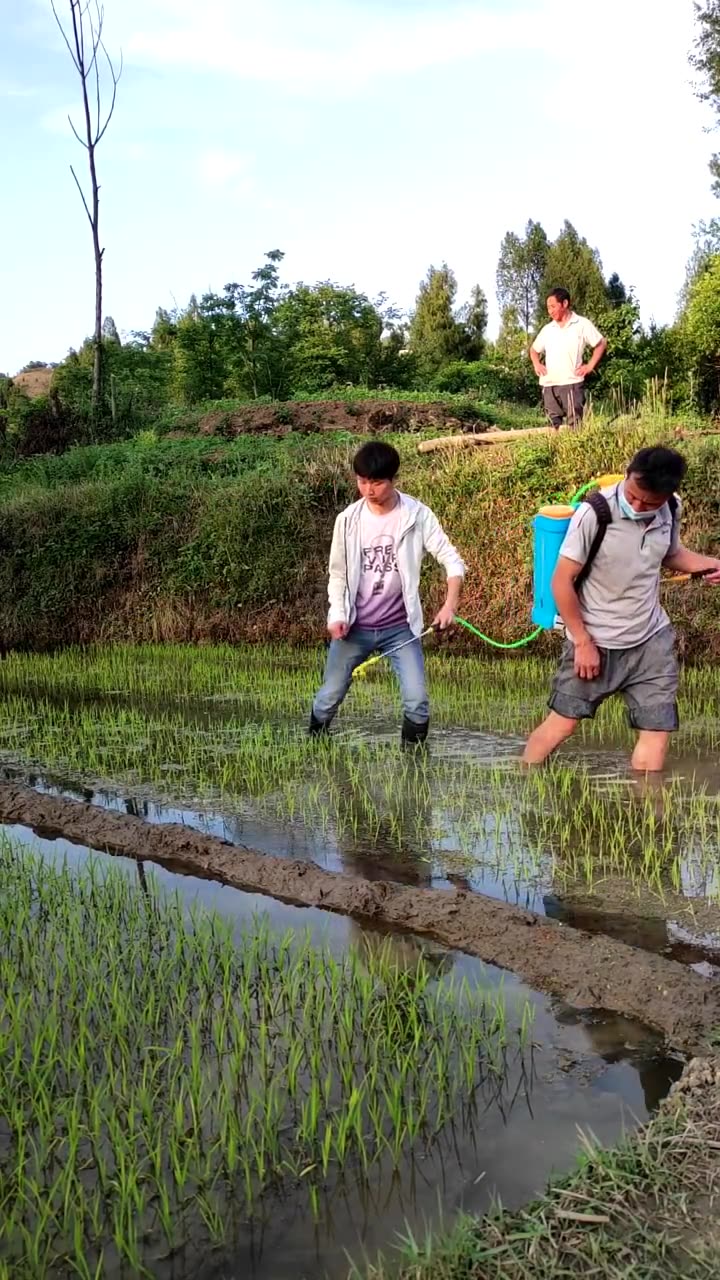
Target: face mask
{"type": "Point", "coordinates": [630, 513]}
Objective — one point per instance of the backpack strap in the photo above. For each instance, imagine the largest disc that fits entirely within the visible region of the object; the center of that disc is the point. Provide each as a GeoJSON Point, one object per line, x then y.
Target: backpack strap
{"type": "Point", "coordinates": [601, 507]}
{"type": "Point", "coordinates": [602, 510]}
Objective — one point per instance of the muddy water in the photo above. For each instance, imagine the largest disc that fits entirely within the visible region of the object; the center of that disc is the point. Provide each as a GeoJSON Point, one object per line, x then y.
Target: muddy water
{"type": "Point", "coordinates": [588, 1069]}
{"type": "Point", "coordinates": [438, 839]}
{"type": "Point", "coordinates": [681, 923]}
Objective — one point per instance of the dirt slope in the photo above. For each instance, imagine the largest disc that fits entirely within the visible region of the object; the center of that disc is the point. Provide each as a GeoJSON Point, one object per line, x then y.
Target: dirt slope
{"type": "Point", "coordinates": [363, 417]}
{"type": "Point", "coordinates": [35, 382]}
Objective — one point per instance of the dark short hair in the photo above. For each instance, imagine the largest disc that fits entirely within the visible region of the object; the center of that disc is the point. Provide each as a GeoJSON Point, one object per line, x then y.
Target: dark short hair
{"type": "Point", "coordinates": [658, 469]}
{"type": "Point", "coordinates": [376, 461]}
{"type": "Point", "coordinates": [562, 295]}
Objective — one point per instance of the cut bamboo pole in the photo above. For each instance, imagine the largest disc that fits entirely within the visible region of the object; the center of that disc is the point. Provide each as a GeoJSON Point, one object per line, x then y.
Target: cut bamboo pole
{"type": "Point", "coordinates": [482, 437]}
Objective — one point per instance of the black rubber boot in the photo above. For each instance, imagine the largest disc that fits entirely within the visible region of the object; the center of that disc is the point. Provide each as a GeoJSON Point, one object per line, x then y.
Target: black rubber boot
{"type": "Point", "coordinates": [412, 734]}
{"type": "Point", "coordinates": [318, 728]}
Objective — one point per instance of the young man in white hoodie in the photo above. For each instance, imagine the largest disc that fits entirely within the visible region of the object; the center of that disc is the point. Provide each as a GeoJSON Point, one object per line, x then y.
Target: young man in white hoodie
{"type": "Point", "coordinates": [374, 580]}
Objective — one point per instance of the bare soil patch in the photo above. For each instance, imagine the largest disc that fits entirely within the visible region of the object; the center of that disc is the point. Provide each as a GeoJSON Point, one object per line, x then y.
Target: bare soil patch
{"type": "Point", "coordinates": [365, 417]}
{"type": "Point", "coordinates": [34, 382]}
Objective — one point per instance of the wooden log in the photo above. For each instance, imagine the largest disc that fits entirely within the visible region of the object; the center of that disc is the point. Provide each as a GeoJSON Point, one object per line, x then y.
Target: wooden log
{"type": "Point", "coordinates": [468, 439]}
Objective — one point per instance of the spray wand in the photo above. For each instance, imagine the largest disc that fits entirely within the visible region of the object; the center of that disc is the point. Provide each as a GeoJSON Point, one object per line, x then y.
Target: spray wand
{"type": "Point", "coordinates": [370, 662]}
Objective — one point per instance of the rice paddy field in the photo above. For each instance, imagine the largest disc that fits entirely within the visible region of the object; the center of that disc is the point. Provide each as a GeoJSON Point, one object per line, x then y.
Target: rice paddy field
{"type": "Point", "coordinates": [200, 1082]}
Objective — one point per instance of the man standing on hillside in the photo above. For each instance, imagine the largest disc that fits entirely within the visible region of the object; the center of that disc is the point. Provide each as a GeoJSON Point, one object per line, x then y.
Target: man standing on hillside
{"type": "Point", "coordinates": [607, 591]}
{"type": "Point", "coordinates": [563, 344]}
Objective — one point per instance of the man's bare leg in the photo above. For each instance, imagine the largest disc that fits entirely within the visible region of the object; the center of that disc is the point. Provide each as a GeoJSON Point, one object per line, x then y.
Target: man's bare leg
{"type": "Point", "coordinates": [547, 737]}
{"type": "Point", "coordinates": [650, 751]}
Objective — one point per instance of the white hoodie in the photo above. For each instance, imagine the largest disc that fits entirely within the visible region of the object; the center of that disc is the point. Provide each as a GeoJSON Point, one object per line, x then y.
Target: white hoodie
{"type": "Point", "coordinates": [419, 531]}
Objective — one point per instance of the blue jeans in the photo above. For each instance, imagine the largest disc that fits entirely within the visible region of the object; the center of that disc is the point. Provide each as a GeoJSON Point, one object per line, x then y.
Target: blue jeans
{"type": "Point", "coordinates": [345, 655]}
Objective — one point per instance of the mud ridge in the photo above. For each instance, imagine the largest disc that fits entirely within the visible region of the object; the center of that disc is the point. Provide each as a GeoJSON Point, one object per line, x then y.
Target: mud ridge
{"type": "Point", "coordinates": [587, 970]}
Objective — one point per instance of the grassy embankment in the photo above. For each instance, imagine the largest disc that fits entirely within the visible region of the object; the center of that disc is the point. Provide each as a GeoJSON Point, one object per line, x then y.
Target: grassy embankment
{"type": "Point", "coordinates": [210, 539]}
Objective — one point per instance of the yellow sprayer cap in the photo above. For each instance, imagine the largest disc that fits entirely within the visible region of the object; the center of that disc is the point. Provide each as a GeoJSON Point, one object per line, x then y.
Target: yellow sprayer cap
{"type": "Point", "coordinates": [603, 482]}
{"type": "Point", "coordinates": [558, 512]}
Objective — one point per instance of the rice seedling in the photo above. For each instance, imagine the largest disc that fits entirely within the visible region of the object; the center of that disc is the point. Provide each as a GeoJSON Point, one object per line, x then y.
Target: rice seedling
{"type": "Point", "coordinates": [163, 1084]}
{"type": "Point", "coordinates": [221, 731]}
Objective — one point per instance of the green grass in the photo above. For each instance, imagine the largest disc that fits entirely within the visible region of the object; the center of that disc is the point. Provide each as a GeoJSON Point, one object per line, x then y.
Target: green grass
{"type": "Point", "coordinates": [645, 1210]}
{"type": "Point", "coordinates": [228, 540]}
{"type": "Point", "coordinates": [152, 457]}
{"type": "Point", "coordinates": [162, 1082]}
{"type": "Point", "coordinates": [211, 458]}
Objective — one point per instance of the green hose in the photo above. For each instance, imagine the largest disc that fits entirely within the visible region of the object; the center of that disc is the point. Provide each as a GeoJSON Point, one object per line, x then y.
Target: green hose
{"type": "Point", "coordinates": [581, 492]}
{"type": "Point", "coordinates": [498, 644]}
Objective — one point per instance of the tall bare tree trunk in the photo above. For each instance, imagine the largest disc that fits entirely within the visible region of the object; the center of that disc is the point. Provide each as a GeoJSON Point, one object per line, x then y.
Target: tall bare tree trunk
{"type": "Point", "coordinates": [85, 46]}
{"type": "Point", "coordinates": [97, 385]}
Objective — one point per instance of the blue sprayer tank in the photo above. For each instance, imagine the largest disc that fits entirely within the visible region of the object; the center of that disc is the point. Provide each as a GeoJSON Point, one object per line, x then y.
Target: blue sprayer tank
{"type": "Point", "coordinates": [549, 528]}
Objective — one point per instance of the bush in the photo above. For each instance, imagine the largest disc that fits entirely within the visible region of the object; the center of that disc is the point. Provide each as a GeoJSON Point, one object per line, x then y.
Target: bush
{"type": "Point", "coordinates": [495, 379]}
{"type": "Point", "coordinates": [136, 387]}
{"type": "Point", "coordinates": [28, 426]}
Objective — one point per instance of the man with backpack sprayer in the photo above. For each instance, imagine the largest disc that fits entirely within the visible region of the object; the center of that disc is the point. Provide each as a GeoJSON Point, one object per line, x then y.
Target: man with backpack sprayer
{"type": "Point", "coordinates": [606, 587]}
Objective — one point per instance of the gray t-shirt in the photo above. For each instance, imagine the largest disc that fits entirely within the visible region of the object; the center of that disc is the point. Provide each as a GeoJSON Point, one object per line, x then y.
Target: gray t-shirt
{"type": "Point", "coordinates": [620, 598]}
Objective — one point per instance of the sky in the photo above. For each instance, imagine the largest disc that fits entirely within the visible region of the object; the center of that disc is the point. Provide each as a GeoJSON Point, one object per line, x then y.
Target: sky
{"type": "Point", "coordinates": [367, 139]}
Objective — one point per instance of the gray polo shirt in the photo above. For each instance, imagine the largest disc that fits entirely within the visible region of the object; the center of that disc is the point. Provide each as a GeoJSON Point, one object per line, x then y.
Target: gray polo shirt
{"type": "Point", "coordinates": [620, 598]}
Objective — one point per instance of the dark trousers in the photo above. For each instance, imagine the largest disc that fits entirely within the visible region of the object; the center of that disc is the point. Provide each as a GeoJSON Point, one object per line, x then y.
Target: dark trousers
{"type": "Point", "coordinates": [564, 404]}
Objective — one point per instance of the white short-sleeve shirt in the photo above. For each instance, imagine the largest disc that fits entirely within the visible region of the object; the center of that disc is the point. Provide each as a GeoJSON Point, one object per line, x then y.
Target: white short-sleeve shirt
{"type": "Point", "coordinates": [564, 347]}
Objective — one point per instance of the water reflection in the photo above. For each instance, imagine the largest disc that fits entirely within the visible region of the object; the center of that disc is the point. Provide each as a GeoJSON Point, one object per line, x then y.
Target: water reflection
{"type": "Point", "coordinates": [598, 1072]}
{"type": "Point", "coordinates": [617, 1039]}
{"type": "Point", "coordinates": [642, 874]}
{"type": "Point", "coordinates": [528, 856]}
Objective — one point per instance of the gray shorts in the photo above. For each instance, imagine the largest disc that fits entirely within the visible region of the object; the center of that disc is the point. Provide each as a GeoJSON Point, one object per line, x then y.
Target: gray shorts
{"type": "Point", "coordinates": [561, 403]}
{"type": "Point", "coordinates": [646, 676]}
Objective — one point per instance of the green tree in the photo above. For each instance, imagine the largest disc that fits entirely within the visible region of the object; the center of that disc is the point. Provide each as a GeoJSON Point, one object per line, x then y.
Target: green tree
{"type": "Point", "coordinates": [620, 325]}
{"type": "Point", "coordinates": [473, 318]}
{"type": "Point", "coordinates": [701, 326]}
{"type": "Point", "coordinates": [663, 354]}
{"type": "Point", "coordinates": [707, 245]}
{"type": "Point", "coordinates": [706, 60]}
{"type": "Point", "coordinates": [617, 294]}
{"type": "Point", "coordinates": [332, 335]}
{"type": "Point", "coordinates": [571, 264]}
{"type": "Point", "coordinates": [256, 361]}
{"type": "Point", "coordinates": [206, 334]}
{"type": "Point", "coordinates": [110, 332]}
{"type": "Point", "coordinates": [164, 330]}
{"type": "Point", "coordinates": [436, 336]}
{"type": "Point", "coordinates": [137, 386]}
{"type": "Point", "coordinates": [226, 344]}
{"type": "Point", "coordinates": [520, 271]}
{"type": "Point", "coordinates": [512, 339]}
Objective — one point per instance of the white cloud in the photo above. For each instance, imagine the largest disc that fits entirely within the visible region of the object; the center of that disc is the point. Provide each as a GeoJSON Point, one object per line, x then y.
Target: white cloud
{"type": "Point", "coordinates": [338, 48]}
{"type": "Point", "coordinates": [221, 168]}
{"type": "Point", "coordinates": [326, 44]}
